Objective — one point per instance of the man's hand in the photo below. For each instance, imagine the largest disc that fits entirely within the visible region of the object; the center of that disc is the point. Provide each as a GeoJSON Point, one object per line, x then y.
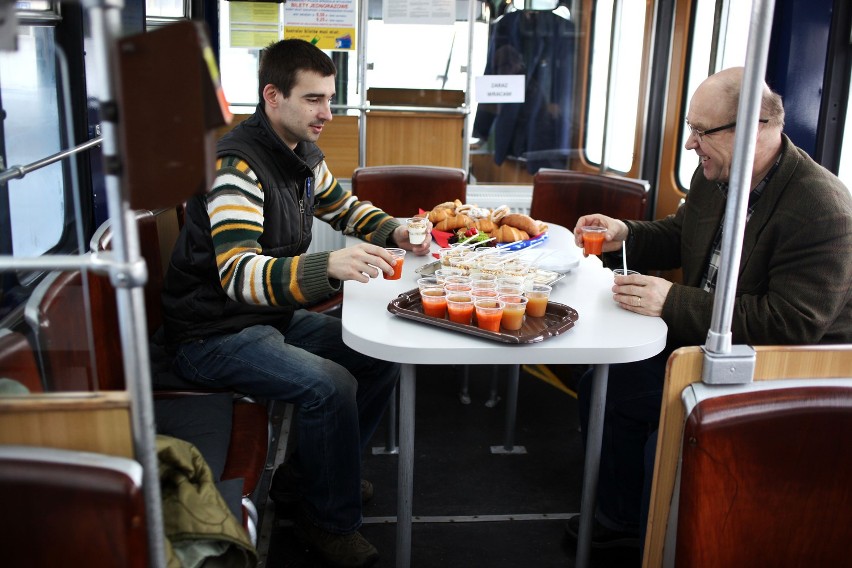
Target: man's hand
{"type": "Point", "coordinates": [616, 231]}
{"type": "Point", "coordinates": [360, 262]}
{"type": "Point", "coordinates": [400, 237]}
{"type": "Point", "coordinates": [641, 294]}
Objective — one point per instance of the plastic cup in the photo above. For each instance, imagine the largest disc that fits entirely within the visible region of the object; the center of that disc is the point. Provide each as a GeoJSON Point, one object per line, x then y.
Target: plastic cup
{"type": "Point", "coordinates": [510, 290]}
{"type": "Point", "coordinates": [417, 229]}
{"type": "Point", "coordinates": [537, 297]}
{"type": "Point", "coordinates": [460, 308]}
{"type": "Point", "coordinates": [477, 284]}
{"type": "Point", "coordinates": [398, 255]}
{"type": "Point", "coordinates": [489, 312]}
{"type": "Point", "coordinates": [513, 311]}
{"type": "Point", "coordinates": [434, 301]}
{"type": "Point", "coordinates": [620, 272]}
{"type": "Point", "coordinates": [428, 282]}
{"type": "Point", "coordinates": [593, 239]}
{"type": "Point", "coordinates": [443, 273]}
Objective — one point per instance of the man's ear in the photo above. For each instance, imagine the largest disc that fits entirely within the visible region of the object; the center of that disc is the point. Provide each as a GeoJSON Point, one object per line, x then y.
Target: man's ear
{"type": "Point", "coordinates": [270, 94]}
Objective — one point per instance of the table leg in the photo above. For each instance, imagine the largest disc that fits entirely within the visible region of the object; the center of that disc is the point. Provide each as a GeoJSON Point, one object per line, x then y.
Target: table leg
{"type": "Point", "coordinates": [509, 446]}
{"type": "Point", "coordinates": [594, 438]}
{"type": "Point", "coordinates": [405, 481]}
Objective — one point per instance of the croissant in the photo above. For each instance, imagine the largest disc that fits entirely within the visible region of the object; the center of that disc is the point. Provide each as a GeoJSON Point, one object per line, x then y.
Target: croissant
{"type": "Point", "coordinates": [509, 234]}
{"type": "Point", "coordinates": [499, 213]}
{"type": "Point", "coordinates": [484, 225]}
{"type": "Point", "coordinates": [439, 214]}
{"type": "Point", "coordinates": [454, 222]}
{"type": "Point", "coordinates": [522, 222]}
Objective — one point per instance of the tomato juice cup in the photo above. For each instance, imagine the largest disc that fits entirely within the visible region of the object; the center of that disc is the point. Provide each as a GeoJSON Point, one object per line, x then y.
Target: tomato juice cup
{"type": "Point", "coordinates": [398, 255]}
{"type": "Point", "coordinates": [593, 239]}
{"type": "Point", "coordinates": [537, 296]}
{"type": "Point", "coordinates": [460, 308]}
{"type": "Point", "coordinates": [428, 282]}
{"type": "Point", "coordinates": [434, 301]}
{"type": "Point", "coordinates": [513, 311]}
{"type": "Point", "coordinates": [489, 312]}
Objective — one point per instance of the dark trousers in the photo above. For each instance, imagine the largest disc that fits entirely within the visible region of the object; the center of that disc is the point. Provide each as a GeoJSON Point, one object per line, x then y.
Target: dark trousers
{"type": "Point", "coordinates": [631, 418]}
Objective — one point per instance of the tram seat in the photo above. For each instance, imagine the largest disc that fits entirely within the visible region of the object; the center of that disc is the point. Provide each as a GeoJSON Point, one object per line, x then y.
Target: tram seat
{"type": "Point", "coordinates": [763, 472]}
{"type": "Point", "coordinates": [563, 196]}
{"type": "Point", "coordinates": [18, 361]}
{"type": "Point", "coordinates": [70, 508]}
{"type": "Point", "coordinates": [402, 191]}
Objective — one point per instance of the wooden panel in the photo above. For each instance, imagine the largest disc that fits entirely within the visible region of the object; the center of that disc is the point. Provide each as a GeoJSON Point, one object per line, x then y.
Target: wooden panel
{"type": "Point", "coordinates": [339, 143]}
{"type": "Point", "coordinates": [85, 422]}
{"type": "Point", "coordinates": [416, 97]}
{"type": "Point", "coordinates": [396, 138]}
{"type": "Point", "coordinates": [683, 368]}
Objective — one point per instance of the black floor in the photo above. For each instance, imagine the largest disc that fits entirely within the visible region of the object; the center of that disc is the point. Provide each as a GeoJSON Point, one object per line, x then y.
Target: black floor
{"type": "Point", "coordinates": [456, 475]}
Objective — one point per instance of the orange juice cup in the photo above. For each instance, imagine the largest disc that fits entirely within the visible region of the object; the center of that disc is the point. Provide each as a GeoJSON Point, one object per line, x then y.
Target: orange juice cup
{"type": "Point", "coordinates": [460, 308]}
{"type": "Point", "coordinates": [593, 239]}
{"type": "Point", "coordinates": [513, 311]}
{"type": "Point", "coordinates": [434, 302]}
{"type": "Point", "coordinates": [489, 312]}
{"type": "Point", "coordinates": [398, 255]}
{"type": "Point", "coordinates": [537, 297]}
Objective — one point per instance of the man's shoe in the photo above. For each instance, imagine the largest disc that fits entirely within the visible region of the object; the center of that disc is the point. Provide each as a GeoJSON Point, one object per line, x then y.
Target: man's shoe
{"type": "Point", "coordinates": [338, 550]}
{"type": "Point", "coordinates": [602, 537]}
{"type": "Point", "coordinates": [285, 487]}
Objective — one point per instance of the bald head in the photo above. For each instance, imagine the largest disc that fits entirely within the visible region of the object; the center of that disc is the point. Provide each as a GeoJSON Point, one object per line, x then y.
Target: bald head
{"type": "Point", "coordinates": [724, 87]}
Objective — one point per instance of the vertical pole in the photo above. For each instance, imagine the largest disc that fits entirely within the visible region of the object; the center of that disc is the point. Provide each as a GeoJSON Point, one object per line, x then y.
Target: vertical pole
{"type": "Point", "coordinates": [361, 81]}
{"type": "Point", "coordinates": [405, 481]}
{"type": "Point", "coordinates": [106, 23]}
{"type": "Point", "coordinates": [745, 140]}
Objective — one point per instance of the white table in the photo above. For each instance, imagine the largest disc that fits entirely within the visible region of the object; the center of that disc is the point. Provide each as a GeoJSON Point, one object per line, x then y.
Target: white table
{"type": "Point", "coordinates": [603, 334]}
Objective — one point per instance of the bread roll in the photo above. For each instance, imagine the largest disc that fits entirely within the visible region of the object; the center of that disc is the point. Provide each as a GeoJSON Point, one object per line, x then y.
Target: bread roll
{"type": "Point", "coordinates": [509, 234]}
{"type": "Point", "coordinates": [499, 213]}
{"type": "Point", "coordinates": [523, 222]}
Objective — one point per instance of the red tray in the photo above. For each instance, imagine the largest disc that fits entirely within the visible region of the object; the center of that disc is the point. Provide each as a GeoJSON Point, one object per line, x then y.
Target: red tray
{"type": "Point", "coordinates": [558, 318]}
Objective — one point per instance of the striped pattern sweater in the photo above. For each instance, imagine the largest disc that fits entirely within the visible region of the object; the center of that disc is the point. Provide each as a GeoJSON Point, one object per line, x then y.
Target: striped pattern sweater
{"type": "Point", "coordinates": [235, 208]}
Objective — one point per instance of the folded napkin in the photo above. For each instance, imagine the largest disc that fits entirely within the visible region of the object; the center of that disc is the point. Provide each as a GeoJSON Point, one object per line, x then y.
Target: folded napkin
{"type": "Point", "coordinates": [442, 238]}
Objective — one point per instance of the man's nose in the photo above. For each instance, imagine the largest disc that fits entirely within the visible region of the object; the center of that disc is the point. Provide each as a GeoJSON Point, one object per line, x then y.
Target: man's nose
{"type": "Point", "coordinates": [691, 141]}
{"type": "Point", "coordinates": [325, 111]}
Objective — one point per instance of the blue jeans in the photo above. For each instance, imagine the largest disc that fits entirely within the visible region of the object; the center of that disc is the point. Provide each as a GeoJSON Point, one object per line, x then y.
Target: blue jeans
{"type": "Point", "coordinates": [340, 396]}
{"type": "Point", "coordinates": [631, 417]}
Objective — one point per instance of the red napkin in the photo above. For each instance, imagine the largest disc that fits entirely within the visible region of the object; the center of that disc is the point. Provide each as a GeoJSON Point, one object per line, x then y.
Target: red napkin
{"type": "Point", "coordinates": [442, 238]}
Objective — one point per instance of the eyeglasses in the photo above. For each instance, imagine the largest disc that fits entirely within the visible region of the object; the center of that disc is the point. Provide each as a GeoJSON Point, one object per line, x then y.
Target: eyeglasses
{"type": "Point", "coordinates": [702, 133]}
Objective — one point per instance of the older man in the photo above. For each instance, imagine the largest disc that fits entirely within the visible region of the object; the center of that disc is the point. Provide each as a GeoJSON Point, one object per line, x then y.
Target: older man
{"type": "Point", "coordinates": [794, 284]}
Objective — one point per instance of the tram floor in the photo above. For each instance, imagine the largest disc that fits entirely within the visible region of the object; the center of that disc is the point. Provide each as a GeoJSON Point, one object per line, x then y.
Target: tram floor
{"type": "Point", "coordinates": [472, 507]}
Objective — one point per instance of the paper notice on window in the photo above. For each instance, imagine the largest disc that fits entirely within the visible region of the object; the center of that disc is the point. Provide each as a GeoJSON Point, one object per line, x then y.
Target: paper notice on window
{"type": "Point", "coordinates": [419, 12]}
{"type": "Point", "coordinates": [328, 24]}
{"type": "Point", "coordinates": [500, 89]}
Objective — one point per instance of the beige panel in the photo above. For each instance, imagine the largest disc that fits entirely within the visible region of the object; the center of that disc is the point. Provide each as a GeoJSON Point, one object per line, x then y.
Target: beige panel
{"type": "Point", "coordinates": [89, 422]}
{"type": "Point", "coordinates": [396, 138]}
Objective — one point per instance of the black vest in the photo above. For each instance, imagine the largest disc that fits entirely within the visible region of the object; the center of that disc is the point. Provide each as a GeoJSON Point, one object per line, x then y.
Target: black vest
{"type": "Point", "coordinates": [194, 303]}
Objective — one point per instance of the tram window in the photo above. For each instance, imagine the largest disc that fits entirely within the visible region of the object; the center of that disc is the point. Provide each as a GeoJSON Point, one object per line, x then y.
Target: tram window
{"type": "Point", "coordinates": [734, 20]}
{"type": "Point", "coordinates": [29, 96]}
{"type": "Point", "coordinates": [165, 8]}
{"type": "Point", "coordinates": [845, 170]}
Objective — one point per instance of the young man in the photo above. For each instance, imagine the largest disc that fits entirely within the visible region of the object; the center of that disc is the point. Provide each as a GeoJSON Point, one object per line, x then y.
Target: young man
{"type": "Point", "coordinates": [239, 275]}
{"type": "Point", "coordinates": [794, 284]}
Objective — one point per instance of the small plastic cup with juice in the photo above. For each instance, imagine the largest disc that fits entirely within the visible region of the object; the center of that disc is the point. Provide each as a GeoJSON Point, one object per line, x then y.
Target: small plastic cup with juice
{"type": "Point", "coordinates": [398, 255]}
{"type": "Point", "coordinates": [537, 297]}
{"type": "Point", "coordinates": [489, 312]}
{"type": "Point", "coordinates": [460, 308]}
{"type": "Point", "coordinates": [593, 239]}
{"type": "Point", "coordinates": [513, 311]}
{"type": "Point", "coordinates": [434, 302]}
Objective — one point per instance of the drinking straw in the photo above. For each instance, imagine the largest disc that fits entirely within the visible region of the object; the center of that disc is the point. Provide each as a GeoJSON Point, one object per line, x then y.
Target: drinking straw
{"type": "Point", "coordinates": [624, 256]}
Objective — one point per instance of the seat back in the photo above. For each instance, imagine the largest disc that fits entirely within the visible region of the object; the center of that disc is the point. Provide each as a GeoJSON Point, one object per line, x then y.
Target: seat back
{"type": "Point", "coordinates": [75, 328]}
{"type": "Point", "coordinates": [18, 360]}
{"type": "Point", "coordinates": [563, 196]}
{"type": "Point", "coordinates": [763, 467]}
{"type": "Point", "coordinates": [402, 191]}
{"type": "Point", "coordinates": [68, 508]}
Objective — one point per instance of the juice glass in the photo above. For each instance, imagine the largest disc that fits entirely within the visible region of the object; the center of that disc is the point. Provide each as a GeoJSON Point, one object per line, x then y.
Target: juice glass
{"type": "Point", "coordinates": [489, 312]}
{"type": "Point", "coordinates": [434, 302]}
{"type": "Point", "coordinates": [593, 239]}
{"type": "Point", "coordinates": [398, 255]}
{"type": "Point", "coordinates": [460, 308]}
{"type": "Point", "coordinates": [537, 297]}
{"type": "Point", "coordinates": [513, 311]}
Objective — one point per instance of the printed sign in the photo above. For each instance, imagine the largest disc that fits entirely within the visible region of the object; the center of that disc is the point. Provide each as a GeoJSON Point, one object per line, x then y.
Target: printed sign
{"type": "Point", "coordinates": [500, 89]}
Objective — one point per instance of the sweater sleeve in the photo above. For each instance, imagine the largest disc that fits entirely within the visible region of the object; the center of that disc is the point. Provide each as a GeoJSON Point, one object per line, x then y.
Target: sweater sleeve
{"type": "Point", "coordinates": [235, 208]}
{"type": "Point", "coordinates": [343, 211]}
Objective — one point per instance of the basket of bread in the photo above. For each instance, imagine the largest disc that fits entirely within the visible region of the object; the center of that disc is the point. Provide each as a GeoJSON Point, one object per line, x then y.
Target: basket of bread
{"type": "Point", "coordinates": [470, 224]}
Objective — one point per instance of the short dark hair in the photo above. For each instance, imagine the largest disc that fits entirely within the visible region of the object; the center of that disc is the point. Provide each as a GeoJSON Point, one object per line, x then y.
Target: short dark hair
{"type": "Point", "coordinates": [280, 62]}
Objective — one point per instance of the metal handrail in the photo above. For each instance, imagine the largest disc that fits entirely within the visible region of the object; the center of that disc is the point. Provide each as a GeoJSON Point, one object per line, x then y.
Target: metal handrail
{"type": "Point", "coordinates": [17, 172]}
